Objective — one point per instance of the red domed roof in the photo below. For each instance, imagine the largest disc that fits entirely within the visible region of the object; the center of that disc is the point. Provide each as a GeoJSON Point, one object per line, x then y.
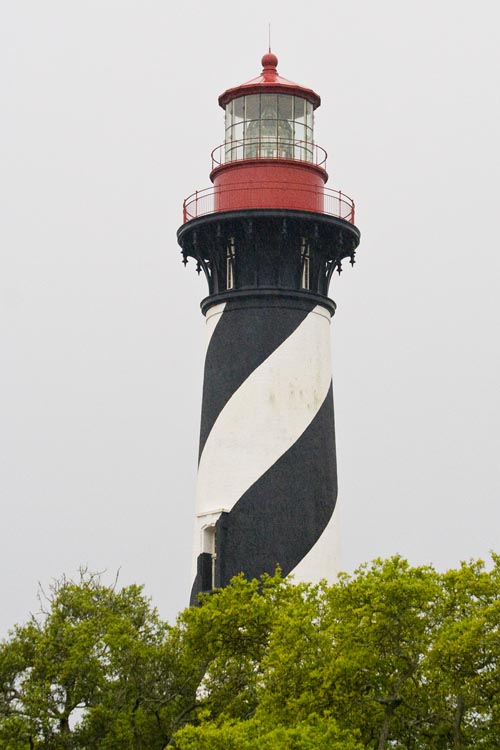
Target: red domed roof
{"type": "Point", "coordinates": [269, 82]}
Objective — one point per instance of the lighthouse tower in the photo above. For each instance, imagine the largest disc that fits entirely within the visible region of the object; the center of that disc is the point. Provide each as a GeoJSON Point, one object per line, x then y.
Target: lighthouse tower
{"type": "Point", "coordinates": [268, 235]}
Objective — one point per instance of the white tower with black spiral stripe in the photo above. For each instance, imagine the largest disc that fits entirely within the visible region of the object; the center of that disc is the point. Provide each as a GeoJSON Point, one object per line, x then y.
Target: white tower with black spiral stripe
{"type": "Point", "coordinates": [268, 236]}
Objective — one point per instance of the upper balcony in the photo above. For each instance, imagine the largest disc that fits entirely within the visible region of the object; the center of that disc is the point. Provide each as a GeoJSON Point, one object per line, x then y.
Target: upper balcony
{"type": "Point", "coordinates": [268, 148]}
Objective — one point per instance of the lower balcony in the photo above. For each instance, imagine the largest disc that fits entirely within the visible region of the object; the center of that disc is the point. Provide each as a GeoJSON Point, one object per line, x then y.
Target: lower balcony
{"type": "Point", "coordinates": [266, 194]}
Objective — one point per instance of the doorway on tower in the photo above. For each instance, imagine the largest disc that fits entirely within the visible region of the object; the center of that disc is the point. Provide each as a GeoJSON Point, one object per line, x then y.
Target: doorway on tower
{"type": "Point", "coordinates": [207, 558]}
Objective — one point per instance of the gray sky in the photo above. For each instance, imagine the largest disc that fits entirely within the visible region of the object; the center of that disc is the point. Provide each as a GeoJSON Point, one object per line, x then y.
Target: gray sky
{"type": "Point", "coordinates": [108, 114]}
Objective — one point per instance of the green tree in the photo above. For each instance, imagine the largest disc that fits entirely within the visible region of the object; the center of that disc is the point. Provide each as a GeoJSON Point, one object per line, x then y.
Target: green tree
{"type": "Point", "coordinates": [397, 656]}
{"type": "Point", "coordinates": [462, 664]}
{"type": "Point", "coordinates": [393, 657]}
{"type": "Point", "coordinates": [228, 636]}
{"type": "Point", "coordinates": [97, 668]}
{"type": "Point", "coordinates": [315, 734]}
{"type": "Point", "coordinates": [352, 651]}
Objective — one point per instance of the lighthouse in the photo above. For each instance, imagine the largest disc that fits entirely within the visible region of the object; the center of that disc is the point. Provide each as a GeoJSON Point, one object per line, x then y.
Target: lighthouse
{"type": "Point", "coordinates": [268, 235]}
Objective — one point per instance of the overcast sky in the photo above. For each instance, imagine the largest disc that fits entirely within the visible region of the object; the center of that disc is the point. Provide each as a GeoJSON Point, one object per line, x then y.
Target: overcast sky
{"type": "Point", "coordinates": [108, 115]}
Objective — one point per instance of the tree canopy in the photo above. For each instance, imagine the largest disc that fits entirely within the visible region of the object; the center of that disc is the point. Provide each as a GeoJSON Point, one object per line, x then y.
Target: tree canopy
{"type": "Point", "coordinates": [393, 656]}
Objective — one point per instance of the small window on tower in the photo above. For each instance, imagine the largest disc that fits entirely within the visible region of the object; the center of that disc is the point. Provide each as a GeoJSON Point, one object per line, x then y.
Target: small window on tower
{"type": "Point", "coordinates": [230, 261]}
{"type": "Point", "coordinates": [208, 546]}
{"type": "Point", "coordinates": [305, 264]}
{"type": "Point", "coordinates": [209, 539]}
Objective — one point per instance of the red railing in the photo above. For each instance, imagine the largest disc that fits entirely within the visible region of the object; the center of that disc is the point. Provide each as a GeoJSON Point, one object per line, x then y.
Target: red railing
{"type": "Point", "coordinates": [239, 196]}
{"type": "Point", "coordinates": [268, 148]}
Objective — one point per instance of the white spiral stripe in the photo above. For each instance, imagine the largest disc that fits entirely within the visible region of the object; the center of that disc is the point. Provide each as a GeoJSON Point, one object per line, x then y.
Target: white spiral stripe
{"type": "Point", "coordinates": [266, 414]}
{"type": "Point", "coordinates": [212, 318]}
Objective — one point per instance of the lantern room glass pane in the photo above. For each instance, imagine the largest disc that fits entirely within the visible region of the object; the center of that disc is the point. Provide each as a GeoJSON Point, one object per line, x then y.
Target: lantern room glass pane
{"type": "Point", "coordinates": [252, 107]}
{"type": "Point", "coordinates": [309, 115]}
{"type": "Point", "coordinates": [285, 130]}
{"type": "Point", "coordinates": [239, 110]}
{"type": "Point", "coordinates": [229, 115]}
{"type": "Point", "coordinates": [300, 132]}
{"type": "Point", "coordinates": [237, 131]}
{"type": "Point", "coordinates": [252, 137]}
{"type": "Point", "coordinates": [300, 110]}
{"type": "Point", "coordinates": [252, 126]}
{"type": "Point", "coordinates": [268, 129]}
{"type": "Point", "coordinates": [251, 149]}
{"type": "Point", "coordinates": [285, 107]}
{"type": "Point", "coordinates": [269, 107]}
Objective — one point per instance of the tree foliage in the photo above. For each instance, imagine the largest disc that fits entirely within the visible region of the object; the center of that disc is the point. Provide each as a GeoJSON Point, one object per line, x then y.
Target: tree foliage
{"type": "Point", "coordinates": [97, 668]}
{"type": "Point", "coordinates": [393, 657]}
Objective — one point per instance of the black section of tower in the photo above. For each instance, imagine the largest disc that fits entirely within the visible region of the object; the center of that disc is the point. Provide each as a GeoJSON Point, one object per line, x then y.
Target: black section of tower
{"type": "Point", "coordinates": [269, 247]}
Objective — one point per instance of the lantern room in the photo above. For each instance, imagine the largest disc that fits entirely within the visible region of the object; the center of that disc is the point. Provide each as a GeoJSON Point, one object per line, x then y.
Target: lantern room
{"type": "Point", "coordinates": [269, 144]}
{"type": "Point", "coordinates": [269, 117]}
{"type": "Point", "coordinates": [269, 126]}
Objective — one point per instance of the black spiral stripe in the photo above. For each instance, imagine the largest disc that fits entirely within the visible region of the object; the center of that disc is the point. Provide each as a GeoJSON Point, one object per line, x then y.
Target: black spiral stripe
{"type": "Point", "coordinates": [280, 518]}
